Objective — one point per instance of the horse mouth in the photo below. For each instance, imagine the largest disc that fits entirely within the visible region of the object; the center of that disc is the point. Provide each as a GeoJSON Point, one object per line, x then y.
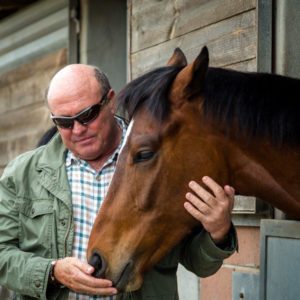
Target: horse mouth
{"type": "Point", "coordinates": [124, 277]}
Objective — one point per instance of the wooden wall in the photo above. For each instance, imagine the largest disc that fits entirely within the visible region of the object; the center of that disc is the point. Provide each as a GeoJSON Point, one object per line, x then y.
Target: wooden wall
{"type": "Point", "coordinates": [229, 29]}
{"type": "Point", "coordinates": [24, 116]}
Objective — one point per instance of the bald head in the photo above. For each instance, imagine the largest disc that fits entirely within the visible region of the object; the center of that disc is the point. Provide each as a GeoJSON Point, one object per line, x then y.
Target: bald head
{"type": "Point", "coordinates": [75, 80]}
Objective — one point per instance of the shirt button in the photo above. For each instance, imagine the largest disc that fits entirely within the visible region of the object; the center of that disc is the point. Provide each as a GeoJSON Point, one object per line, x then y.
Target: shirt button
{"type": "Point", "coordinates": [63, 223]}
{"type": "Point", "coordinates": [98, 177]}
{"type": "Point", "coordinates": [32, 211]}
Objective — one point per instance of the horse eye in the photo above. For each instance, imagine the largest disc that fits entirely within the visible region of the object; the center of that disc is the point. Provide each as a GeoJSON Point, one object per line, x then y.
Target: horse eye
{"type": "Point", "coordinates": [143, 156]}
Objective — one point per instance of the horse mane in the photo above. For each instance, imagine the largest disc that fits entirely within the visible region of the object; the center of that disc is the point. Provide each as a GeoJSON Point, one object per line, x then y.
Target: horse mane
{"type": "Point", "coordinates": [149, 90]}
{"type": "Point", "coordinates": [258, 104]}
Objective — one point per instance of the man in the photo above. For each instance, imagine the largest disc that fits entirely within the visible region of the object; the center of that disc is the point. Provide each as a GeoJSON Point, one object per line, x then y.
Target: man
{"type": "Point", "coordinates": [49, 197]}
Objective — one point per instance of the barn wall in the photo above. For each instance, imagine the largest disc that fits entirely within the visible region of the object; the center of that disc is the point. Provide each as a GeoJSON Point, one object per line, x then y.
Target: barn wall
{"type": "Point", "coordinates": [33, 46]}
{"type": "Point", "coordinates": [229, 29]}
{"type": "Point", "coordinates": [23, 113]}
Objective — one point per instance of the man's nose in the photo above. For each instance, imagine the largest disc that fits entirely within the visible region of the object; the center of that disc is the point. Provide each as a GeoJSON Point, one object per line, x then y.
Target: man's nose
{"type": "Point", "coordinates": [78, 127]}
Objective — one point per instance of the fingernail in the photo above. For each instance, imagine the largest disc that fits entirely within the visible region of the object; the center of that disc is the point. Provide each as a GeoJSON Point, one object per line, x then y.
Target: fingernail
{"type": "Point", "coordinates": [90, 270]}
{"type": "Point", "coordinates": [192, 183]}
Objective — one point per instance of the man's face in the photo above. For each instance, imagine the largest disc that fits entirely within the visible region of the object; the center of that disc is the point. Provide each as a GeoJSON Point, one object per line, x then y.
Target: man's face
{"type": "Point", "coordinates": [90, 141]}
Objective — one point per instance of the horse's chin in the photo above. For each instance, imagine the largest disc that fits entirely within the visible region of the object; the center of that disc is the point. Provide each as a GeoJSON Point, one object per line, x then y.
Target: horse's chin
{"type": "Point", "coordinates": [127, 280]}
{"type": "Point", "coordinates": [135, 284]}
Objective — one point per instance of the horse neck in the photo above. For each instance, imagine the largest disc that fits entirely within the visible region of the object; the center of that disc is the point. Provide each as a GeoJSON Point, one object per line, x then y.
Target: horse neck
{"type": "Point", "coordinates": [261, 170]}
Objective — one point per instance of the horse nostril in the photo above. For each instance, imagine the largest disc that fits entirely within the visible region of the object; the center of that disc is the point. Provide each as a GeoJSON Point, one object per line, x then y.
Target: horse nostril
{"type": "Point", "coordinates": [99, 263]}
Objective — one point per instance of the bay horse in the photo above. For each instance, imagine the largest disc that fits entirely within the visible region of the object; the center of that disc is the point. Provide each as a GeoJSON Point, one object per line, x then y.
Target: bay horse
{"type": "Point", "coordinates": [187, 121]}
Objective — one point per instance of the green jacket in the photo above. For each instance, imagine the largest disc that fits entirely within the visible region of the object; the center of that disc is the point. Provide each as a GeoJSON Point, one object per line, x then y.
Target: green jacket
{"type": "Point", "coordinates": [36, 227]}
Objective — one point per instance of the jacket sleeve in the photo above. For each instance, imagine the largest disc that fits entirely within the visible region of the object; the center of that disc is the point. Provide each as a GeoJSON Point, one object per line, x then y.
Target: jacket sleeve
{"type": "Point", "coordinates": [20, 271]}
{"type": "Point", "coordinates": [201, 256]}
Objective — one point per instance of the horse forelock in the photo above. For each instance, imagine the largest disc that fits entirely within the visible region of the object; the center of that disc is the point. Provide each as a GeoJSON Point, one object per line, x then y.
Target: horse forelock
{"type": "Point", "coordinates": [261, 105]}
{"type": "Point", "coordinates": [149, 91]}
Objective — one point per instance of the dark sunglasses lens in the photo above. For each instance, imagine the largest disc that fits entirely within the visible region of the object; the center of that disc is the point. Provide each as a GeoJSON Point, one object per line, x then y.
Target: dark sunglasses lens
{"type": "Point", "coordinates": [89, 115]}
{"type": "Point", "coordinates": [63, 123]}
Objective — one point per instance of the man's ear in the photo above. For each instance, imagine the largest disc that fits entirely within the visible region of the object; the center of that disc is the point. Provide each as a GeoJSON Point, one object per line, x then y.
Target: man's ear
{"type": "Point", "coordinates": [111, 94]}
{"type": "Point", "coordinates": [111, 98]}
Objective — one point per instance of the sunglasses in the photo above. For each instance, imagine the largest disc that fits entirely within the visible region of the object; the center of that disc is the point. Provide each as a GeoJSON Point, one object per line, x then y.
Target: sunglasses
{"type": "Point", "coordinates": [84, 117]}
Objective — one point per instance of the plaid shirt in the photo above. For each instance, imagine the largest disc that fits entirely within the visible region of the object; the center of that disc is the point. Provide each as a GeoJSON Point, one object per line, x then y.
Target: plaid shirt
{"type": "Point", "coordinates": [88, 188]}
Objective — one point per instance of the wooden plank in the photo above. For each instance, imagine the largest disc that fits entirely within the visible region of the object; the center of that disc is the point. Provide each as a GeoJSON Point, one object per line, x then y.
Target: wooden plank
{"type": "Point", "coordinates": [24, 116]}
{"type": "Point", "coordinates": [17, 123]}
{"type": "Point", "coordinates": [229, 41]}
{"type": "Point", "coordinates": [53, 60]}
{"type": "Point", "coordinates": [246, 66]}
{"type": "Point", "coordinates": [154, 22]}
{"type": "Point", "coordinates": [25, 92]}
{"type": "Point", "coordinates": [21, 130]}
{"type": "Point", "coordinates": [10, 149]}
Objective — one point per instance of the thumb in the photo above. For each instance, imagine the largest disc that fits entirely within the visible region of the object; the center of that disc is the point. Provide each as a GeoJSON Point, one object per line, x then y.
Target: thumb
{"type": "Point", "coordinates": [229, 190]}
{"type": "Point", "coordinates": [84, 267]}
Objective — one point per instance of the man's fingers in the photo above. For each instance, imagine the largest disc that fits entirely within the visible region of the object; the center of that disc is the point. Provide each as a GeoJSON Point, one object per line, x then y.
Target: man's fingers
{"type": "Point", "coordinates": [202, 193]}
{"type": "Point", "coordinates": [193, 211]}
{"type": "Point", "coordinates": [229, 191]}
{"type": "Point", "coordinates": [84, 267]}
{"type": "Point", "coordinates": [197, 203]}
{"type": "Point", "coordinates": [76, 275]}
{"type": "Point", "coordinates": [217, 190]}
{"type": "Point", "coordinates": [103, 291]}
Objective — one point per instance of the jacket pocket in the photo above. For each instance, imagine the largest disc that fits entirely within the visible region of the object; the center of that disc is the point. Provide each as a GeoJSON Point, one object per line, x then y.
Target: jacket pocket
{"type": "Point", "coordinates": [36, 222]}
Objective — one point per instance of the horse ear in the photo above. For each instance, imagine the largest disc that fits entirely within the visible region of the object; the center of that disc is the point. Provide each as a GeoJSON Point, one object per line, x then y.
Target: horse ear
{"type": "Point", "coordinates": [178, 59]}
{"type": "Point", "coordinates": [199, 70]}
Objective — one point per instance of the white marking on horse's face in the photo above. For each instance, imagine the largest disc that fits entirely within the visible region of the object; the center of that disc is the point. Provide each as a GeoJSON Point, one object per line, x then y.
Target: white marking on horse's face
{"type": "Point", "coordinates": [127, 134]}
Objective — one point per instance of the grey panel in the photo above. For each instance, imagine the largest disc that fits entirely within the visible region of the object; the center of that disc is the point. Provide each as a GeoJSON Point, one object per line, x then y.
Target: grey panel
{"type": "Point", "coordinates": [264, 35]}
{"type": "Point", "coordinates": [103, 38]}
{"type": "Point", "coordinates": [278, 41]}
{"type": "Point", "coordinates": [188, 284]}
{"type": "Point", "coordinates": [287, 42]}
{"type": "Point", "coordinates": [280, 260]}
{"type": "Point", "coordinates": [245, 286]}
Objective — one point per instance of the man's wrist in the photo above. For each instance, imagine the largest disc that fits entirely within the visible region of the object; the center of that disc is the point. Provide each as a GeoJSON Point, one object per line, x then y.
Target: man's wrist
{"type": "Point", "coordinates": [221, 236]}
{"type": "Point", "coordinates": [52, 281]}
{"type": "Point", "coordinates": [228, 240]}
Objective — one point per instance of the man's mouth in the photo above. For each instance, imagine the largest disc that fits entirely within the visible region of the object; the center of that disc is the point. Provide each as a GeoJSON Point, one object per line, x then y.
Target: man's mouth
{"type": "Point", "coordinates": [83, 140]}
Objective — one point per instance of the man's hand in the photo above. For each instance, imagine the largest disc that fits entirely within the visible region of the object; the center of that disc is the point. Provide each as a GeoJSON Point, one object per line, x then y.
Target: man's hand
{"type": "Point", "coordinates": [76, 275]}
{"type": "Point", "coordinates": [212, 209]}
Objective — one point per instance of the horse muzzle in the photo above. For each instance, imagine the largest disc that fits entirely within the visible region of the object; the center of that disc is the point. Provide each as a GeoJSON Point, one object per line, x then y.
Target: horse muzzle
{"type": "Point", "coordinates": [120, 278]}
{"type": "Point", "coordinates": [99, 264]}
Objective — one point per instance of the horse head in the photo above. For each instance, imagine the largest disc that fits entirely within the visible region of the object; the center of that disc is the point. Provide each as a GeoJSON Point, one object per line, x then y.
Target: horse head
{"type": "Point", "coordinates": [144, 204]}
{"type": "Point", "coordinates": [187, 121]}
